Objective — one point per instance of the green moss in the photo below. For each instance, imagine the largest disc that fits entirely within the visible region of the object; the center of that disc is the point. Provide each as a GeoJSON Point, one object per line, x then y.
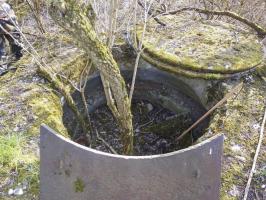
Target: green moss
{"type": "Point", "coordinates": [261, 70]}
{"type": "Point", "coordinates": [29, 173]}
{"type": "Point", "coordinates": [47, 109]}
{"type": "Point", "coordinates": [13, 157]}
{"type": "Point", "coordinates": [236, 120]}
{"type": "Point", "coordinates": [20, 7]}
{"type": "Point", "coordinates": [73, 69]}
{"type": "Point", "coordinates": [10, 149]}
{"type": "Point", "coordinates": [188, 73]}
{"type": "Point", "coordinates": [202, 47]}
{"type": "Point", "coordinates": [79, 185]}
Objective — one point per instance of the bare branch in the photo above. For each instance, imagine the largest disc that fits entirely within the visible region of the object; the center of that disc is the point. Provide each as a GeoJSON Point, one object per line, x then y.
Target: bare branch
{"type": "Point", "coordinates": [235, 90]}
{"type": "Point", "coordinates": [151, 14]}
{"type": "Point", "coordinates": [260, 31]}
{"type": "Point", "coordinates": [256, 156]}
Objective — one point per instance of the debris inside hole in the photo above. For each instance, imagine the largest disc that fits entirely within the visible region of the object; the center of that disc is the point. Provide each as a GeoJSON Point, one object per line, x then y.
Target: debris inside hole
{"type": "Point", "coordinates": [155, 129]}
{"type": "Point", "coordinates": [163, 107]}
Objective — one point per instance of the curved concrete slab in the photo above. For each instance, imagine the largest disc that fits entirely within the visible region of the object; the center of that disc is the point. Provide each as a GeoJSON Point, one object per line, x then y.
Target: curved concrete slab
{"type": "Point", "coordinates": [206, 49]}
{"type": "Point", "coordinates": [70, 171]}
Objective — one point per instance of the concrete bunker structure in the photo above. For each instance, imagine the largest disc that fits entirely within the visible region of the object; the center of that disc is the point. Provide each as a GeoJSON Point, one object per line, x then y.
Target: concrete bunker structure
{"type": "Point", "coordinates": [206, 53]}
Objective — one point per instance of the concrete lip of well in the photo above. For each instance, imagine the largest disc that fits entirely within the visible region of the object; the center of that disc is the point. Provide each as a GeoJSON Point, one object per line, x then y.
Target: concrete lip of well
{"type": "Point", "coordinates": [152, 85]}
{"type": "Point", "coordinates": [206, 49]}
{"type": "Point", "coordinates": [71, 171]}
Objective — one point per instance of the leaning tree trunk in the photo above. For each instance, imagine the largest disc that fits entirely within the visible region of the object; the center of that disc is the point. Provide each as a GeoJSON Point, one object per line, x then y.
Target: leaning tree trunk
{"type": "Point", "coordinates": [78, 21]}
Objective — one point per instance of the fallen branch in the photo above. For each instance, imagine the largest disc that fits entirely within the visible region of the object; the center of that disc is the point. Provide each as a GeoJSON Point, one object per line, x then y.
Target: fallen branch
{"type": "Point", "coordinates": [260, 31]}
{"type": "Point", "coordinates": [256, 156]}
{"type": "Point", "coordinates": [37, 18]}
{"type": "Point", "coordinates": [235, 90]}
{"type": "Point", "coordinates": [105, 143]}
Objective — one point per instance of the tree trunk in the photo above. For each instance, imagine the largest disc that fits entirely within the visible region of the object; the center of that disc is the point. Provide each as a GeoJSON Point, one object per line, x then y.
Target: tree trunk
{"type": "Point", "coordinates": [78, 21]}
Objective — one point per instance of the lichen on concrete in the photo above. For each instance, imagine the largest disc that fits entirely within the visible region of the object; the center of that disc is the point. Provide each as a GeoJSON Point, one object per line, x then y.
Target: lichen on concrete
{"type": "Point", "coordinates": [239, 119]}
{"type": "Point", "coordinates": [200, 48]}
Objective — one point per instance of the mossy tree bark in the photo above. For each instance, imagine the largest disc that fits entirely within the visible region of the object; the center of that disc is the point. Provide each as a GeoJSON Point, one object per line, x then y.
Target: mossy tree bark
{"type": "Point", "coordinates": [78, 20]}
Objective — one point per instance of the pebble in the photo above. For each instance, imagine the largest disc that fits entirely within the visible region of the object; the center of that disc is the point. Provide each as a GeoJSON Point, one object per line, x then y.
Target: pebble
{"type": "Point", "coordinates": [16, 129]}
{"type": "Point", "coordinates": [18, 191]}
{"type": "Point", "coordinates": [149, 107]}
{"type": "Point", "coordinates": [256, 126]}
{"type": "Point", "coordinates": [10, 192]}
{"type": "Point", "coordinates": [241, 158]}
{"type": "Point", "coordinates": [62, 100]}
{"type": "Point", "coordinates": [236, 148]}
{"type": "Point", "coordinates": [234, 191]}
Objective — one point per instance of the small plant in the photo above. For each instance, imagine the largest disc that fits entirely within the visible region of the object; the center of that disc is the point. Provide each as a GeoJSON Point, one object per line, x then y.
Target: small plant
{"type": "Point", "coordinates": [10, 149]}
{"type": "Point", "coordinates": [13, 159]}
{"type": "Point", "coordinates": [79, 185]}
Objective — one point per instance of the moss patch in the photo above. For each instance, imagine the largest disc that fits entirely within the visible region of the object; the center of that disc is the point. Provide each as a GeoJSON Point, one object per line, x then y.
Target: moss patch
{"type": "Point", "coordinates": [79, 185]}
{"type": "Point", "coordinates": [200, 47]}
{"type": "Point", "coordinates": [27, 101]}
{"type": "Point", "coordinates": [239, 120]}
{"type": "Point", "coordinates": [15, 161]}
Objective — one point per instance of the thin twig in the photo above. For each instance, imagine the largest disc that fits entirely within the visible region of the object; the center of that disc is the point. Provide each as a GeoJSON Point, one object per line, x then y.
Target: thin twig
{"type": "Point", "coordinates": [105, 143]}
{"type": "Point", "coordinates": [152, 14]}
{"type": "Point", "coordinates": [68, 81]}
{"type": "Point", "coordinates": [40, 26]}
{"type": "Point", "coordinates": [256, 156]}
{"type": "Point", "coordinates": [84, 79]}
{"type": "Point", "coordinates": [234, 91]}
{"type": "Point", "coordinates": [139, 51]}
{"type": "Point", "coordinates": [260, 31]}
{"type": "Point", "coordinates": [256, 193]}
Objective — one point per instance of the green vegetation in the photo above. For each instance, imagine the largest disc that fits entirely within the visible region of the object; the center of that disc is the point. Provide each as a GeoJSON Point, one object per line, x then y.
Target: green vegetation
{"type": "Point", "coordinates": [204, 49]}
{"type": "Point", "coordinates": [11, 149]}
{"type": "Point", "coordinates": [16, 160]}
{"type": "Point", "coordinates": [79, 185]}
{"type": "Point", "coordinates": [236, 120]}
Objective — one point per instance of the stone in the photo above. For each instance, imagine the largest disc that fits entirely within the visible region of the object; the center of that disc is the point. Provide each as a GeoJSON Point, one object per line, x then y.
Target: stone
{"type": "Point", "coordinates": [10, 191]}
{"type": "Point", "coordinates": [70, 171]}
{"type": "Point", "coordinates": [234, 191]}
{"type": "Point", "coordinates": [149, 107]}
{"type": "Point", "coordinates": [18, 191]}
{"type": "Point", "coordinates": [236, 148]}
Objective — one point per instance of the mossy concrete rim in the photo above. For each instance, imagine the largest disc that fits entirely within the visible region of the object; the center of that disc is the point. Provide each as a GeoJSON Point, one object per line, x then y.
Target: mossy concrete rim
{"type": "Point", "coordinates": [190, 73]}
{"type": "Point", "coordinates": [200, 48]}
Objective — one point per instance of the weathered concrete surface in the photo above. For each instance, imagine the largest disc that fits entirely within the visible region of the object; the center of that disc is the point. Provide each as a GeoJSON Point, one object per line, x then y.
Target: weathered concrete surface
{"type": "Point", "coordinates": [70, 171]}
{"type": "Point", "coordinates": [207, 49]}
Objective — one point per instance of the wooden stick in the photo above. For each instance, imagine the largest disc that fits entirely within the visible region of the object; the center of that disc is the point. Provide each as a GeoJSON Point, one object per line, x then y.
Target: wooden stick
{"type": "Point", "coordinates": [260, 30]}
{"type": "Point", "coordinates": [40, 26]}
{"type": "Point", "coordinates": [152, 15]}
{"type": "Point", "coordinates": [255, 157]}
{"type": "Point", "coordinates": [105, 143]}
{"type": "Point", "coordinates": [236, 89]}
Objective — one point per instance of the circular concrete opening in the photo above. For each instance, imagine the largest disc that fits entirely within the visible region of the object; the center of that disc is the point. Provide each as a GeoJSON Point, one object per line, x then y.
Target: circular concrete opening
{"type": "Point", "coordinates": [163, 107]}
